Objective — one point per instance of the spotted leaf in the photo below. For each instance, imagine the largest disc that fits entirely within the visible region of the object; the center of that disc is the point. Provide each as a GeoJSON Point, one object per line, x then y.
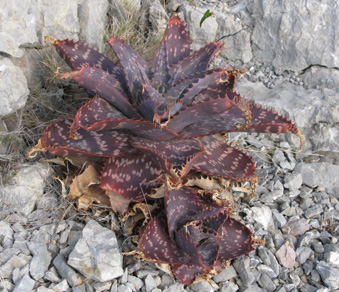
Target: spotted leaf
{"type": "Point", "coordinates": [267, 121]}
{"type": "Point", "coordinates": [156, 246]}
{"type": "Point", "coordinates": [208, 110]}
{"type": "Point", "coordinates": [56, 140]}
{"type": "Point", "coordinates": [104, 84]}
{"type": "Point", "coordinates": [181, 205]}
{"type": "Point", "coordinates": [139, 128]}
{"type": "Point", "coordinates": [207, 86]}
{"type": "Point", "coordinates": [159, 67]}
{"type": "Point", "coordinates": [130, 176]}
{"type": "Point", "coordinates": [133, 65]}
{"type": "Point", "coordinates": [176, 152]}
{"type": "Point", "coordinates": [187, 272]}
{"type": "Point", "coordinates": [77, 54]}
{"type": "Point", "coordinates": [223, 160]}
{"type": "Point", "coordinates": [96, 109]}
{"type": "Point", "coordinates": [235, 240]}
{"type": "Point", "coordinates": [196, 62]}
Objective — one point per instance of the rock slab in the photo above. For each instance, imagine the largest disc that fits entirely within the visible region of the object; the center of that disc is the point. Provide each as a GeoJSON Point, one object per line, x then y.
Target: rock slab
{"type": "Point", "coordinates": [23, 191]}
{"type": "Point", "coordinates": [13, 87]}
{"type": "Point", "coordinates": [96, 255]}
{"type": "Point", "coordinates": [291, 35]}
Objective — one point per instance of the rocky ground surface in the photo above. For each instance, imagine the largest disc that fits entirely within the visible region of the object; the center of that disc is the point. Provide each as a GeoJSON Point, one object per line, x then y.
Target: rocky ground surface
{"type": "Point", "coordinates": [47, 245]}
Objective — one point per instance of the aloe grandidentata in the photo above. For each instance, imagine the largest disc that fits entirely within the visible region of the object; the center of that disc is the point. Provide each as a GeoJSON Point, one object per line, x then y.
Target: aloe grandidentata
{"type": "Point", "coordinates": [152, 124]}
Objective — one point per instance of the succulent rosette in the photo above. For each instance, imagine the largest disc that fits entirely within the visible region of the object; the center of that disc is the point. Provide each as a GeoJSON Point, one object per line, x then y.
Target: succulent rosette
{"type": "Point", "coordinates": [153, 124]}
{"type": "Point", "coordinates": [194, 236]}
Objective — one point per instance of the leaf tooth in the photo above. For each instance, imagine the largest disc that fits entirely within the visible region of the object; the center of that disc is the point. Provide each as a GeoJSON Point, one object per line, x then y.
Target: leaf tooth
{"type": "Point", "coordinates": [209, 80]}
{"type": "Point", "coordinates": [266, 120]}
{"type": "Point", "coordinates": [205, 111]}
{"type": "Point", "coordinates": [186, 168]}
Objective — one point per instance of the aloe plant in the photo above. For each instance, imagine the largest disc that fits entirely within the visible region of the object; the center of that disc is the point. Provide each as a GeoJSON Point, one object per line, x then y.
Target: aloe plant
{"type": "Point", "coordinates": [151, 125]}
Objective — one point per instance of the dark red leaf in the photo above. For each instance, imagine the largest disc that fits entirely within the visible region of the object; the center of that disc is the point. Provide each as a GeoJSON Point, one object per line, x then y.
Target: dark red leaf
{"type": "Point", "coordinates": [176, 152]}
{"type": "Point", "coordinates": [156, 246]}
{"type": "Point", "coordinates": [196, 62]}
{"type": "Point", "coordinates": [158, 158]}
{"type": "Point", "coordinates": [189, 163]}
{"type": "Point", "coordinates": [104, 84]}
{"type": "Point", "coordinates": [183, 204]}
{"type": "Point", "coordinates": [267, 121]}
{"type": "Point", "coordinates": [57, 141]}
{"type": "Point", "coordinates": [219, 88]}
{"type": "Point", "coordinates": [213, 82]}
{"type": "Point", "coordinates": [133, 65]}
{"type": "Point", "coordinates": [174, 46]}
{"type": "Point", "coordinates": [160, 75]}
{"type": "Point", "coordinates": [187, 272]}
{"type": "Point", "coordinates": [177, 41]}
{"type": "Point", "coordinates": [186, 243]}
{"type": "Point", "coordinates": [147, 109]}
{"type": "Point", "coordinates": [207, 111]}
{"type": "Point", "coordinates": [212, 219]}
{"type": "Point", "coordinates": [139, 128]}
{"type": "Point", "coordinates": [235, 240]}
{"type": "Point", "coordinates": [197, 231]}
{"type": "Point", "coordinates": [96, 109]}
{"type": "Point", "coordinates": [208, 84]}
{"type": "Point", "coordinates": [152, 94]}
{"type": "Point", "coordinates": [223, 160]}
{"type": "Point", "coordinates": [130, 176]}
{"type": "Point", "coordinates": [209, 253]}
{"type": "Point", "coordinates": [77, 54]}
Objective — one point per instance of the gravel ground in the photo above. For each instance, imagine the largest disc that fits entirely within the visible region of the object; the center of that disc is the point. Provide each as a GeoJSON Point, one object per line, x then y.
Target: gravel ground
{"type": "Point", "coordinates": [50, 246]}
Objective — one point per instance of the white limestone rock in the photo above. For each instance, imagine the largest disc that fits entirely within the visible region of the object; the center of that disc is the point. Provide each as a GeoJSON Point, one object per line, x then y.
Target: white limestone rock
{"type": "Point", "coordinates": [60, 19]}
{"type": "Point", "coordinates": [263, 216]}
{"type": "Point", "coordinates": [22, 192]}
{"type": "Point", "coordinates": [96, 255]}
{"type": "Point", "coordinates": [238, 47]}
{"type": "Point", "coordinates": [40, 261]}
{"type": "Point", "coordinates": [93, 22]}
{"type": "Point", "coordinates": [292, 35]}
{"type": "Point", "coordinates": [203, 35]}
{"type": "Point", "coordinates": [13, 87]}
{"type": "Point", "coordinates": [18, 26]}
{"type": "Point", "coordinates": [322, 174]}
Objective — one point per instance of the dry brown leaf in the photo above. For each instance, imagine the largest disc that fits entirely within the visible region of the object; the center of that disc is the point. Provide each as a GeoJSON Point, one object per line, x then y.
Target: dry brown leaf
{"type": "Point", "coordinates": [86, 190]}
{"type": "Point", "coordinates": [80, 183]}
{"type": "Point", "coordinates": [93, 194]}
{"type": "Point", "coordinates": [118, 203]}
{"type": "Point", "coordinates": [79, 161]}
{"type": "Point", "coordinates": [56, 160]}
